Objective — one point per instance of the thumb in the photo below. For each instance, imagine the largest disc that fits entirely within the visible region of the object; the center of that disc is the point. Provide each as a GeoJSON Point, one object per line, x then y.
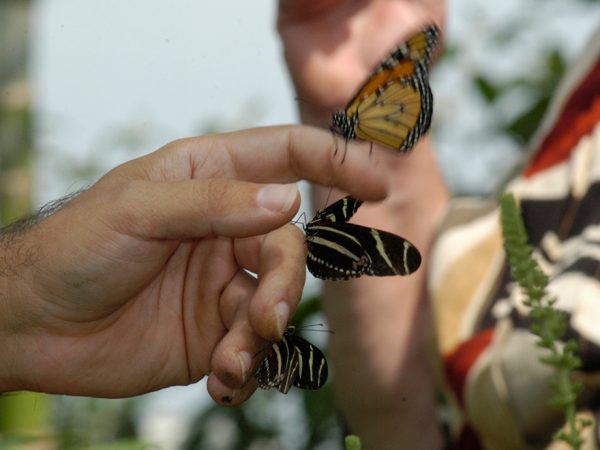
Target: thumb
{"type": "Point", "coordinates": [197, 208]}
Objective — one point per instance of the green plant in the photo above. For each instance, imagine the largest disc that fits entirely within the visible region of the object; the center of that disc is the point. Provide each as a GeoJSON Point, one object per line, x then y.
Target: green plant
{"type": "Point", "coordinates": [352, 442]}
{"type": "Point", "coordinates": [548, 323]}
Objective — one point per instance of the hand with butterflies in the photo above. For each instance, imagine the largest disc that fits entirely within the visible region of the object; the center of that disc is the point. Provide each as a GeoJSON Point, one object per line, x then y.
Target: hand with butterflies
{"type": "Point", "coordinates": [141, 281]}
{"type": "Point", "coordinates": [353, 68]}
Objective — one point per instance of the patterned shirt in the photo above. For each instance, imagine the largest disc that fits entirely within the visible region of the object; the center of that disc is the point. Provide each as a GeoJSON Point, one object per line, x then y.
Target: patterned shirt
{"type": "Point", "coordinates": [490, 369]}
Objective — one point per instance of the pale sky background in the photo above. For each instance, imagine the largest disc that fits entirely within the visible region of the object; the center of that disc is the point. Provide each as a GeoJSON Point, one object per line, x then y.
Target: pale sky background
{"type": "Point", "coordinates": [114, 79]}
{"type": "Point", "coordinates": [164, 68]}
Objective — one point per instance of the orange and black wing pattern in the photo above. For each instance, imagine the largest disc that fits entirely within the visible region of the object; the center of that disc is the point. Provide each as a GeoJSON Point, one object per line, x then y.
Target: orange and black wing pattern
{"type": "Point", "coordinates": [394, 106]}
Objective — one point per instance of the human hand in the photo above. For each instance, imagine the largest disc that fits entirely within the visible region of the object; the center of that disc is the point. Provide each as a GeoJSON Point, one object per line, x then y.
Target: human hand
{"type": "Point", "coordinates": [139, 282]}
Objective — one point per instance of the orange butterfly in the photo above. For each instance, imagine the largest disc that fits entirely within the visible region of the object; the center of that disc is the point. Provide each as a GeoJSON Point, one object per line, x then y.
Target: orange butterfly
{"type": "Point", "coordinates": [394, 106]}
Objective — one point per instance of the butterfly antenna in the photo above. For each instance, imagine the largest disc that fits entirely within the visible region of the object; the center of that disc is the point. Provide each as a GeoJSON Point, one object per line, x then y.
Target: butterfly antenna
{"type": "Point", "coordinates": [345, 151]}
{"type": "Point", "coordinates": [312, 325]}
{"type": "Point", "coordinates": [301, 219]}
{"type": "Point", "coordinates": [335, 141]}
{"type": "Point", "coordinates": [328, 197]}
{"type": "Point", "coordinates": [304, 100]}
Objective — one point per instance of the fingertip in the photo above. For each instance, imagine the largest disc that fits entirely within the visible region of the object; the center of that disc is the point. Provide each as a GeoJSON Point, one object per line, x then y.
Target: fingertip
{"type": "Point", "coordinates": [227, 396]}
{"type": "Point", "coordinates": [231, 367]}
{"type": "Point", "coordinates": [233, 359]}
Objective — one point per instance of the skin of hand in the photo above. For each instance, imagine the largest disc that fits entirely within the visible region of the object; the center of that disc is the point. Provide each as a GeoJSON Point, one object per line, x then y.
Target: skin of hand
{"type": "Point", "coordinates": [383, 381]}
{"type": "Point", "coordinates": [140, 282]}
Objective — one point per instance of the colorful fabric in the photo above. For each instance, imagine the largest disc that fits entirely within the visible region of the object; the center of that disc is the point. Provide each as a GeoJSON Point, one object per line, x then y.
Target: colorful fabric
{"type": "Point", "coordinates": [497, 387]}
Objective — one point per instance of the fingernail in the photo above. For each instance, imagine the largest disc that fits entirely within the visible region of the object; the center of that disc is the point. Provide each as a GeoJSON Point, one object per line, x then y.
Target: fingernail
{"type": "Point", "coordinates": [282, 313]}
{"type": "Point", "coordinates": [277, 197]}
{"type": "Point", "coordinates": [245, 360]}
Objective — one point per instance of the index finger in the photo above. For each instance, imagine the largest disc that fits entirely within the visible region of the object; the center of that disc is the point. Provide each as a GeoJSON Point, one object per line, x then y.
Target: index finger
{"type": "Point", "coordinates": [285, 154]}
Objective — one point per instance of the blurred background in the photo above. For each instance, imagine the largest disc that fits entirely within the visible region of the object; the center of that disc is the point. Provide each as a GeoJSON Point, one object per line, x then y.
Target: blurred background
{"type": "Point", "coordinates": [87, 85]}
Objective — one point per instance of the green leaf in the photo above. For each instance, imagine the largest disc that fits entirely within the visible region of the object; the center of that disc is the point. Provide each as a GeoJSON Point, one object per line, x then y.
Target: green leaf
{"type": "Point", "coordinates": [487, 89]}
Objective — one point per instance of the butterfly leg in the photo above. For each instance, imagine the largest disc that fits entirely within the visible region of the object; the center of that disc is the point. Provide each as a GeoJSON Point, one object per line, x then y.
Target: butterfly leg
{"type": "Point", "coordinates": [345, 151]}
{"type": "Point", "coordinates": [336, 143]}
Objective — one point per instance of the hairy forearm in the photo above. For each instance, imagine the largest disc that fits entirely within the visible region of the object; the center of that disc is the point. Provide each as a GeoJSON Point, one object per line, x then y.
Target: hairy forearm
{"type": "Point", "coordinates": [19, 253]}
{"type": "Point", "coordinates": [15, 257]}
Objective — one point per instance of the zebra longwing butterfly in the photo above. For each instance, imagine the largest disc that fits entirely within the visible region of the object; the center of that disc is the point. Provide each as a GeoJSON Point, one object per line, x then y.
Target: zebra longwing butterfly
{"type": "Point", "coordinates": [292, 361]}
{"type": "Point", "coordinates": [338, 250]}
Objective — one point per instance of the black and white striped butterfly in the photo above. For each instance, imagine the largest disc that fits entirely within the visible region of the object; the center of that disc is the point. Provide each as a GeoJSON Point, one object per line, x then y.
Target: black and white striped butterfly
{"type": "Point", "coordinates": [338, 250]}
{"type": "Point", "coordinates": [293, 361]}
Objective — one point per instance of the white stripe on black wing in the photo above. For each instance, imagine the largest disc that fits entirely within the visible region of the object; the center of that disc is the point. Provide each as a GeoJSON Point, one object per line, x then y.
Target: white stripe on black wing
{"type": "Point", "coordinates": [338, 250]}
{"type": "Point", "coordinates": [340, 211]}
{"type": "Point", "coordinates": [292, 361]}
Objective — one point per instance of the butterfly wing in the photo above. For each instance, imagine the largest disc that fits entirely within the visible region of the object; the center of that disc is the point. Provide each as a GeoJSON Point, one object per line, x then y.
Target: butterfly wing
{"type": "Point", "coordinates": [335, 252]}
{"type": "Point", "coordinates": [338, 250]}
{"type": "Point", "coordinates": [340, 211]}
{"type": "Point", "coordinates": [312, 371]}
{"type": "Point", "coordinates": [420, 47]}
{"type": "Point", "coordinates": [394, 106]}
{"type": "Point", "coordinates": [343, 251]}
{"type": "Point", "coordinates": [274, 368]}
{"type": "Point", "coordinates": [398, 115]}
{"type": "Point", "coordinates": [290, 375]}
{"type": "Point", "coordinates": [293, 361]}
{"type": "Point", "coordinates": [402, 62]}
{"type": "Point", "coordinates": [389, 254]}
{"type": "Point", "coordinates": [391, 69]}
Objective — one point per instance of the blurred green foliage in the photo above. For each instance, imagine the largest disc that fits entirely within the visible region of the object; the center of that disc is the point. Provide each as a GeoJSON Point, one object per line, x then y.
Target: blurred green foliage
{"type": "Point", "coordinates": [539, 88]}
{"type": "Point", "coordinates": [16, 127]}
{"type": "Point", "coordinates": [352, 442]}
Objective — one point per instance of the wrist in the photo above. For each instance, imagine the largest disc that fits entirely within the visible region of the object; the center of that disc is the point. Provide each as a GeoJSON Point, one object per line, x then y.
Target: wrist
{"type": "Point", "coordinates": [16, 258]}
{"type": "Point", "coordinates": [8, 334]}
